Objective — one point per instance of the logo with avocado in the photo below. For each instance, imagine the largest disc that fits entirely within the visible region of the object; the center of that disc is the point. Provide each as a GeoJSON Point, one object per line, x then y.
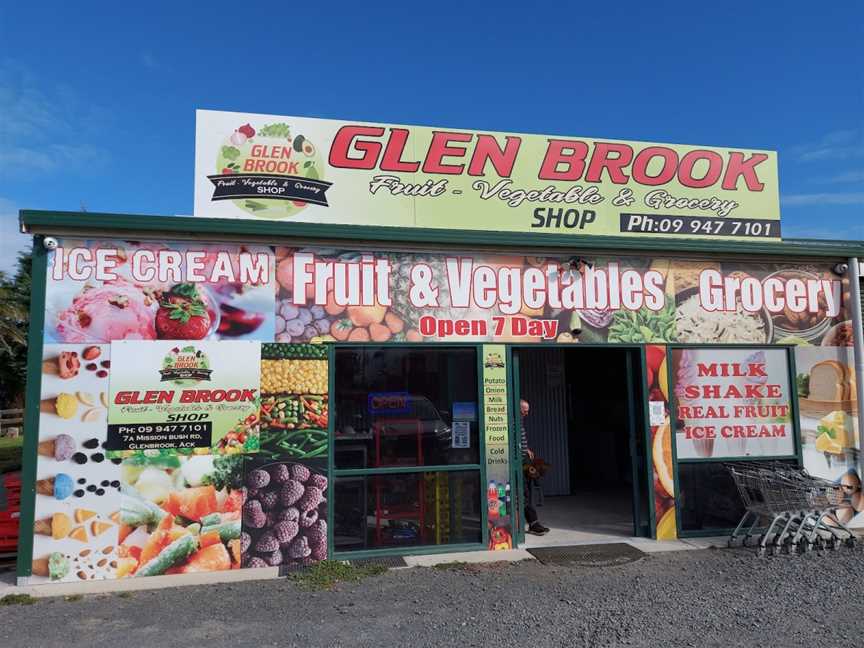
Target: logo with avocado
{"type": "Point", "coordinates": [272, 172]}
{"type": "Point", "coordinates": [185, 366]}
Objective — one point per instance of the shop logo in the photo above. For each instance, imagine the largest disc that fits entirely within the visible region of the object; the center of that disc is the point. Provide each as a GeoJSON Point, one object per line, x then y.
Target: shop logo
{"type": "Point", "coordinates": [271, 172]}
{"type": "Point", "coordinates": [185, 366]}
{"type": "Point", "coordinates": [493, 361]}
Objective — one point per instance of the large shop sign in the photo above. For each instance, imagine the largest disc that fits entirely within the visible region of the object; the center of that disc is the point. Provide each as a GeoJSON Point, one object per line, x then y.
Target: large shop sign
{"type": "Point", "coordinates": [175, 395]}
{"type": "Point", "coordinates": [102, 291]}
{"type": "Point", "coordinates": [326, 171]}
{"type": "Point", "coordinates": [732, 403]}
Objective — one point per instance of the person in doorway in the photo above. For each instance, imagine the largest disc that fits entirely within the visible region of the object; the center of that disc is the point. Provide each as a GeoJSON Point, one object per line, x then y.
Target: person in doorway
{"type": "Point", "coordinates": [534, 526]}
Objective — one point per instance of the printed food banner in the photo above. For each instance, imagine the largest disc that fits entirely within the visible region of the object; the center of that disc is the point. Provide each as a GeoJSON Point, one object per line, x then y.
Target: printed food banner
{"type": "Point", "coordinates": [344, 295]}
{"type": "Point", "coordinates": [175, 395]}
{"type": "Point", "coordinates": [186, 514]}
{"type": "Point", "coordinates": [180, 514]}
{"type": "Point", "coordinates": [99, 291]}
{"type": "Point", "coordinates": [732, 403]}
{"type": "Point", "coordinates": [294, 401]}
{"type": "Point", "coordinates": [830, 426]}
{"type": "Point", "coordinates": [77, 508]}
{"type": "Point", "coordinates": [499, 497]}
{"type": "Point", "coordinates": [327, 171]}
{"type": "Point", "coordinates": [663, 466]}
{"type": "Point", "coordinates": [285, 515]}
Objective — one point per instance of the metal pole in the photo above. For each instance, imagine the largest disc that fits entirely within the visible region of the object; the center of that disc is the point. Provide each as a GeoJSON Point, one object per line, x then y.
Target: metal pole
{"type": "Point", "coordinates": [858, 336]}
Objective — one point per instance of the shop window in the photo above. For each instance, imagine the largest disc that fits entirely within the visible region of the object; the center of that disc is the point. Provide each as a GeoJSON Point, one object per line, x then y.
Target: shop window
{"type": "Point", "coordinates": [407, 510]}
{"type": "Point", "coordinates": [729, 403]}
{"type": "Point", "coordinates": [406, 406]}
{"type": "Point", "coordinates": [396, 409]}
{"type": "Point", "coordinates": [708, 499]}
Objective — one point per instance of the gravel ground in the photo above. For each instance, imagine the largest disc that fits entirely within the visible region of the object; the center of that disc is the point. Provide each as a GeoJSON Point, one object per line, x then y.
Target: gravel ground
{"type": "Point", "coordinates": [685, 598]}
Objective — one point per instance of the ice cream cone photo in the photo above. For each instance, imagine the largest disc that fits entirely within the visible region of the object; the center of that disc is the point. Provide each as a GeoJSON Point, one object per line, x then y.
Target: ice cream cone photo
{"type": "Point", "coordinates": [40, 567]}
{"type": "Point", "coordinates": [45, 486]}
{"type": "Point", "coordinates": [60, 448]}
{"type": "Point", "coordinates": [66, 405]}
{"type": "Point", "coordinates": [46, 448]}
{"type": "Point", "coordinates": [55, 566]}
{"type": "Point", "coordinates": [42, 527]}
{"type": "Point", "coordinates": [60, 486]}
{"type": "Point", "coordinates": [57, 526]}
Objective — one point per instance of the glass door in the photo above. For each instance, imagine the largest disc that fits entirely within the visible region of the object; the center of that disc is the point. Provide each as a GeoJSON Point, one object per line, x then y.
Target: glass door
{"type": "Point", "coordinates": [638, 440]}
{"type": "Point", "coordinates": [407, 449]}
{"type": "Point", "coordinates": [518, 477]}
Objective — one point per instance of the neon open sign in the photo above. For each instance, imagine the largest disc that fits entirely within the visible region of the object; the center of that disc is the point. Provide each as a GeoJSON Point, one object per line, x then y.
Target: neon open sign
{"type": "Point", "coordinates": [389, 403]}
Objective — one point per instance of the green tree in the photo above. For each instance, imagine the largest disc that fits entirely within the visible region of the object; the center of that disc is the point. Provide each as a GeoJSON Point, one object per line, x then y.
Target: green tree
{"type": "Point", "coordinates": [14, 317]}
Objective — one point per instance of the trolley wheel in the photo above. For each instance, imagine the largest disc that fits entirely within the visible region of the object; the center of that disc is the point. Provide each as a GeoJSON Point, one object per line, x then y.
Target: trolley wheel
{"type": "Point", "coordinates": [850, 542]}
{"type": "Point", "coordinates": [761, 552]}
{"type": "Point", "coordinates": [833, 544]}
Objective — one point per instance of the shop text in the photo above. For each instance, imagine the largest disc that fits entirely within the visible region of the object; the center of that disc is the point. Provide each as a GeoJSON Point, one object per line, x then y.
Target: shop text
{"type": "Point", "coordinates": [488, 285]}
{"type": "Point", "coordinates": [157, 397]}
{"type": "Point", "coordinates": [162, 265]}
{"type": "Point", "coordinates": [500, 326]}
{"type": "Point", "coordinates": [454, 153]}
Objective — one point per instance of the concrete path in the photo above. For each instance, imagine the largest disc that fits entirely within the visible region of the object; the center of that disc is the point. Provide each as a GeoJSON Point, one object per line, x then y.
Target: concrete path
{"type": "Point", "coordinates": [8, 581]}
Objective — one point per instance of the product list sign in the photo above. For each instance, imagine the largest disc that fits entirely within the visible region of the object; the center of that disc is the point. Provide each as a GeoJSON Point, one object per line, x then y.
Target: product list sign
{"type": "Point", "coordinates": [499, 497]}
{"type": "Point", "coordinates": [732, 403]}
{"type": "Point", "coordinates": [181, 395]}
{"type": "Point", "coordinates": [327, 171]}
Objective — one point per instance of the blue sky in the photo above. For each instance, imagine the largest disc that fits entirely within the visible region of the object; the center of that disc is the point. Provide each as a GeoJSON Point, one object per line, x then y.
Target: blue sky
{"type": "Point", "coordinates": [97, 101]}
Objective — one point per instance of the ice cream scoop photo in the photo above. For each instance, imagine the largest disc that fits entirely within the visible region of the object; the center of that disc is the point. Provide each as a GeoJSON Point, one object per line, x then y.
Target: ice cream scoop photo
{"type": "Point", "coordinates": [57, 526]}
{"type": "Point", "coordinates": [59, 487]}
{"type": "Point", "coordinates": [117, 310]}
{"type": "Point", "coordinates": [60, 448]}
{"type": "Point", "coordinates": [64, 405]}
{"type": "Point", "coordinates": [54, 566]}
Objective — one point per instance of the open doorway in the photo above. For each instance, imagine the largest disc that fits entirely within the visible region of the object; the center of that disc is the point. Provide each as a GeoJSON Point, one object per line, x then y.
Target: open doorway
{"type": "Point", "coordinates": [585, 420]}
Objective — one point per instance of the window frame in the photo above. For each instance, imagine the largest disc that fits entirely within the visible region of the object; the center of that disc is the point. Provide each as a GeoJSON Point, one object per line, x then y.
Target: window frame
{"type": "Point", "coordinates": [334, 473]}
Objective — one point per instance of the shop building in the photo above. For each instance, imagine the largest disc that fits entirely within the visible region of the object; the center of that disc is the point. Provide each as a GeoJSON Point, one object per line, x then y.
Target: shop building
{"type": "Point", "coordinates": [327, 360]}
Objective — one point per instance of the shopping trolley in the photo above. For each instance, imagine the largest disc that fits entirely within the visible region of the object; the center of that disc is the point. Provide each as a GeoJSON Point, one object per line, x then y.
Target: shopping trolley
{"type": "Point", "coordinates": [800, 510]}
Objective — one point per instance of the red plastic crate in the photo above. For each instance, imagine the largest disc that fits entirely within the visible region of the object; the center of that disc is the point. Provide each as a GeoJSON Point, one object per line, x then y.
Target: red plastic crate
{"type": "Point", "coordinates": [12, 479]}
{"type": "Point", "coordinates": [8, 535]}
{"type": "Point", "coordinates": [10, 516]}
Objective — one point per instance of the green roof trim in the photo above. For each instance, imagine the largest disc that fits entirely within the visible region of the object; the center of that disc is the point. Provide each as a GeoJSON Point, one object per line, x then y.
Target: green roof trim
{"type": "Point", "coordinates": [84, 222]}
